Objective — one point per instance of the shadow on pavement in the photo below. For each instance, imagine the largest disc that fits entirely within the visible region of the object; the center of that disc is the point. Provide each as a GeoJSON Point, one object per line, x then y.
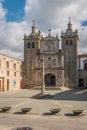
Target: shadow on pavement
{"type": "Point", "coordinates": [19, 112]}
{"type": "Point", "coordinates": [72, 115]}
{"type": "Point", "coordinates": [74, 94]}
{"type": "Point", "coordinates": [45, 96]}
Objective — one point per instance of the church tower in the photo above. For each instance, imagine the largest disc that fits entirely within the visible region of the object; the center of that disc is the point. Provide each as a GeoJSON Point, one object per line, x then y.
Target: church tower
{"type": "Point", "coordinates": [69, 43]}
{"type": "Point", "coordinates": [31, 49]}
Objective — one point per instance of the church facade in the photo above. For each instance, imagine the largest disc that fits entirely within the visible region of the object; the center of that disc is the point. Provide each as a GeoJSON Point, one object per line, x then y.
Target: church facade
{"type": "Point", "coordinates": [44, 60]}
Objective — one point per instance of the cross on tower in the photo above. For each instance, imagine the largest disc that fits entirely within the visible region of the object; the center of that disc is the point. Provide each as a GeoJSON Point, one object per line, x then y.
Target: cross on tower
{"type": "Point", "coordinates": [69, 19]}
{"type": "Point", "coordinates": [49, 31]}
{"type": "Point", "coordinates": [33, 22]}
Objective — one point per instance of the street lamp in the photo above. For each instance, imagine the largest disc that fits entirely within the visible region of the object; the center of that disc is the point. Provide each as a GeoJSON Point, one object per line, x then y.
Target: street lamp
{"type": "Point", "coordinates": [43, 84]}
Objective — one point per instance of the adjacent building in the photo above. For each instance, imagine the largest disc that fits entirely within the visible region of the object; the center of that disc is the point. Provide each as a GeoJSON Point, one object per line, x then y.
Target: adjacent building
{"type": "Point", "coordinates": [10, 73]}
{"type": "Point", "coordinates": [82, 70]}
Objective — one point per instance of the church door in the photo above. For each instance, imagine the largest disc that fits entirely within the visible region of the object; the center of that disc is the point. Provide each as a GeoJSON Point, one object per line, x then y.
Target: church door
{"type": "Point", "coordinates": [50, 80]}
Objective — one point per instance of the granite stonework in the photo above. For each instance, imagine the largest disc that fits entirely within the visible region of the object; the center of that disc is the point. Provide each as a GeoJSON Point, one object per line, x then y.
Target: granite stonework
{"type": "Point", "coordinates": [60, 65]}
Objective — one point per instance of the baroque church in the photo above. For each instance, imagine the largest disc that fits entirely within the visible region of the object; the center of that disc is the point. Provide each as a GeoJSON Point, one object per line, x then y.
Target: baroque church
{"type": "Point", "coordinates": [44, 60]}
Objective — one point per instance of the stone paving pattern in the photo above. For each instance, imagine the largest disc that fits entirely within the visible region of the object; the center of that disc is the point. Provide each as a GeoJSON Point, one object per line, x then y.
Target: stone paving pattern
{"type": "Point", "coordinates": [67, 100]}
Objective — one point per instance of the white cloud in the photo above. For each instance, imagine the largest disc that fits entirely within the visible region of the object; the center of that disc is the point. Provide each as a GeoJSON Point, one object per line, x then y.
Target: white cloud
{"type": "Point", "coordinates": [47, 14]}
{"type": "Point", "coordinates": [2, 1]}
{"type": "Point", "coordinates": [11, 36]}
{"type": "Point", "coordinates": [2, 13]}
{"type": "Point", "coordinates": [54, 14]}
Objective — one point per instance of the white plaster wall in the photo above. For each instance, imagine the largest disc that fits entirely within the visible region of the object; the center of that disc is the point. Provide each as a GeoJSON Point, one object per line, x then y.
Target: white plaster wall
{"type": "Point", "coordinates": [81, 63]}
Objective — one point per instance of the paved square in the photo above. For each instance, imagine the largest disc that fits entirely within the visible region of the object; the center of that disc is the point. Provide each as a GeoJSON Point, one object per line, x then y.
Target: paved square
{"type": "Point", "coordinates": [37, 118]}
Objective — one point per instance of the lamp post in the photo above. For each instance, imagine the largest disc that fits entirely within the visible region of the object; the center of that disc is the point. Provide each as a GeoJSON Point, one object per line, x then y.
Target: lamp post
{"type": "Point", "coordinates": [43, 84]}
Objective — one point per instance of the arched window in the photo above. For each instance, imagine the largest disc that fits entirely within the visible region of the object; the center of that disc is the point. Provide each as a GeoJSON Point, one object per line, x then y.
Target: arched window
{"type": "Point", "coordinates": [39, 61]}
{"type": "Point", "coordinates": [49, 58]}
{"type": "Point", "coordinates": [28, 45]}
{"type": "Point", "coordinates": [49, 48]}
{"type": "Point", "coordinates": [66, 42]}
{"type": "Point", "coordinates": [71, 42]}
{"type": "Point", "coordinates": [33, 45]}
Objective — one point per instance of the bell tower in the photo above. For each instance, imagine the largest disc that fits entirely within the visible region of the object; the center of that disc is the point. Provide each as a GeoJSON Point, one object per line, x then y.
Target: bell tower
{"type": "Point", "coordinates": [31, 47]}
{"type": "Point", "coordinates": [69, 43]}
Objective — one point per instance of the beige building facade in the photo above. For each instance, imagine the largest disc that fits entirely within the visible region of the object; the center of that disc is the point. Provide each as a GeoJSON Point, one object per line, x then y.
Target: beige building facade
{"type": "Point", "coordinates": [60, 65]}
{"type": "Point", "coordinates": [10, 73]}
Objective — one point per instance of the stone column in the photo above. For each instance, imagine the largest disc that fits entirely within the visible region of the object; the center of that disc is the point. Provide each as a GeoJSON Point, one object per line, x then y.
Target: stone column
{"type": "Point", "coordinates": [43, 84]}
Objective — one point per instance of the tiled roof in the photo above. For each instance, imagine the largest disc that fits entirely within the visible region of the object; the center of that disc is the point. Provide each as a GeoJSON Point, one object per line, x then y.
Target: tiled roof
{"type": "Point", "coordinates": [82, 55]}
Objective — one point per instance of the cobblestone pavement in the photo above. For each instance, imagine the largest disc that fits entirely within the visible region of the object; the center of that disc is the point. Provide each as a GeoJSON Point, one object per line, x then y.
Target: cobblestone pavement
{"type": "Point", "coordinates": [39, 117]}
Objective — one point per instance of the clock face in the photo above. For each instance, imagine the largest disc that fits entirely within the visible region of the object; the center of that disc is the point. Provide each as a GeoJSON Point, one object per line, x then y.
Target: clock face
{"type": "Point", "coordinates": [68, 32]}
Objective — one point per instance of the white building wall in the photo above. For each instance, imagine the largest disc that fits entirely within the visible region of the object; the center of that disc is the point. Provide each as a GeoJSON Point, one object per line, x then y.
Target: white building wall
{"type": "Point", "coordinates": [81, 63]}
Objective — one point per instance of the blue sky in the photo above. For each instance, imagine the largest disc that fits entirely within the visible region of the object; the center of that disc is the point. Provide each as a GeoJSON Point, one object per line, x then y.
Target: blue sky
{"type": "Point", "coordinates": [16, 13]}
{"type": "Point", "coordinates": [84, 23]}
{"type": "Point", "coordinates": [16, 18]}
{"type": "Point", "coordinates": [15, 10]}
